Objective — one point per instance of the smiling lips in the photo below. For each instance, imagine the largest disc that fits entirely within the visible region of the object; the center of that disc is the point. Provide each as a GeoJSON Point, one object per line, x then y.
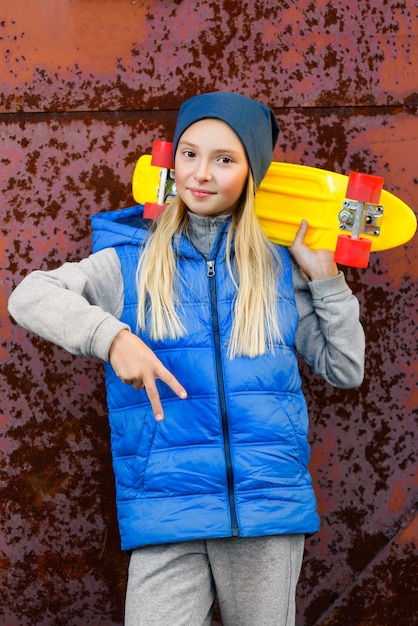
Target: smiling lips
{"type": "Point", "coordinates": [201, 193]}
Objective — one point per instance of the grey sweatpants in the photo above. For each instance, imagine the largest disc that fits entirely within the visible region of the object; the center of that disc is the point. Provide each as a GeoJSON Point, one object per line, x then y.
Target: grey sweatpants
{"type": "Point", "coordinates": [254, 579]}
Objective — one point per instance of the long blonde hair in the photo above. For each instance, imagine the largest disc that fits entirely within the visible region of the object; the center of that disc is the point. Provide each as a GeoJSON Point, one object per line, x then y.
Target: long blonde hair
{"type": "Point", "coordinates": [255, 328]}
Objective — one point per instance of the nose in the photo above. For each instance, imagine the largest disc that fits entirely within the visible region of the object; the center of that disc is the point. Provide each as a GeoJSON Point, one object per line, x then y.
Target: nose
{"type": "Point", "coordinates": [203, 170]}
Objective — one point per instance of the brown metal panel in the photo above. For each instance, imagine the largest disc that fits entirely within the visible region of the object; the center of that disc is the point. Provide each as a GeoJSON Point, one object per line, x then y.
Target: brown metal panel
{"type": "Point", "coordinates": [56, 503]}
{"type": "Point", "coordinates": [119, 54]}
{"type": "Point", "coordinates": [59, 547]}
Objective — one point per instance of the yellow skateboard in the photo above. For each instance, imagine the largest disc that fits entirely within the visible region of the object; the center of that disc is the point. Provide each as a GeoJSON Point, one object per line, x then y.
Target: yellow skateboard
{"type": "Point", "coordinates": [351, 215]}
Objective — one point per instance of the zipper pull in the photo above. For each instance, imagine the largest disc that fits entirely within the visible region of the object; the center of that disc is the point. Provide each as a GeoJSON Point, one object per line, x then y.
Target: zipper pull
{"type": "Point", "coordinates": [211, 268]}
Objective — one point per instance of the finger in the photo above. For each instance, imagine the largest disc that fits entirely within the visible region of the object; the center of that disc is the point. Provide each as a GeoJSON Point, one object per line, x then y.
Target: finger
{"type": "Point", "coordinates": [171, 381]}
{"type": "Point", "coordinates": [154, 398]}
{"type": "Point", "coordinates": [126, 381]}
{"type": "Point", "coordinates": [300, 235]}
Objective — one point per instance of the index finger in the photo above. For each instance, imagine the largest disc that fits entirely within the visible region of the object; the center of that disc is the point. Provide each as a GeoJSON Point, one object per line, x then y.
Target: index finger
{"type": "Point", "coordinates": [171, 381]}
{"type": "Point", "coordinates": [154, 397]}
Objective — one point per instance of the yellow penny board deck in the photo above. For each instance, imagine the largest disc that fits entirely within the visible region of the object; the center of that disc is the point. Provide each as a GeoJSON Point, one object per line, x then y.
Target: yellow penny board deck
{"type": "Point", "coordinates": [290, 193]}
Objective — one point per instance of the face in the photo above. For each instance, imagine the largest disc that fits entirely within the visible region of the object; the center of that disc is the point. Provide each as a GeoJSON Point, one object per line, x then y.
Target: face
{"type": "Point", "coordinates": [211, 168]}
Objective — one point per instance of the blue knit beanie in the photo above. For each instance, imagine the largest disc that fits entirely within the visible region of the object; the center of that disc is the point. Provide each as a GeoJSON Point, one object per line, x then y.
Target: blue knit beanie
{"type": "Point", "coordinates": [253, 122]}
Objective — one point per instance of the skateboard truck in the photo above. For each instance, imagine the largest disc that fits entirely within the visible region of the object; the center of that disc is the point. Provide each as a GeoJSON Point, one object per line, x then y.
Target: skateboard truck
{"type": "Point", "coordinates": [360, 218]}
{"type": "Point", "coordinates": [360, 215]}
{"type": "Point", "coordinates": [162, 157]}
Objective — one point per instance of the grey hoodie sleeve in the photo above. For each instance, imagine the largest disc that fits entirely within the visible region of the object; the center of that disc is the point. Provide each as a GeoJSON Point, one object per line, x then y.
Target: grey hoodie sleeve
{"type": "Point", "coordinates": [76, 306]}
{"type": "Point", "coordinates": [330, 337]}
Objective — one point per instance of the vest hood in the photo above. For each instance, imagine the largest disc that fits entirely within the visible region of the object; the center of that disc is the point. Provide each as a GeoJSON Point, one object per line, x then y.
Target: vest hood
{"type": "Point", "coordinates": [118, 228]}
{"type": "Point", "coordinates": [113, 229]}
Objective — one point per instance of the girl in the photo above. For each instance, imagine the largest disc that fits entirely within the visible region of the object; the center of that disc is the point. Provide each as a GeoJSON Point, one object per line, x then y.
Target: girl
{"type": "Point", "coordinates": [199, 320]}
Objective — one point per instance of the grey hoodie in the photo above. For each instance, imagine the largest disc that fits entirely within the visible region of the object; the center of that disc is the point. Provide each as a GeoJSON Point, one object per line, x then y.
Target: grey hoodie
{"type": "Point", "coordinates": [78, 306]}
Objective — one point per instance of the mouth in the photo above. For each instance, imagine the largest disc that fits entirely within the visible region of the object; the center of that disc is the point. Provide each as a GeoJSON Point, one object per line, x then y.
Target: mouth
{"type": "Point", "coordinates": [201, 193]}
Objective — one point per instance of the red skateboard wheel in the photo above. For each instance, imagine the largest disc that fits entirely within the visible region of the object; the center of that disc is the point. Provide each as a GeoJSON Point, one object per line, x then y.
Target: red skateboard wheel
{"type": "Point", "coordinates": [152, 210]}
{"type": "Point", "coordinates": [352, 252]}
{"type": "Point", "coordinates": [364, 187]}
{"type": "Point", "coordinates": [162, 154]}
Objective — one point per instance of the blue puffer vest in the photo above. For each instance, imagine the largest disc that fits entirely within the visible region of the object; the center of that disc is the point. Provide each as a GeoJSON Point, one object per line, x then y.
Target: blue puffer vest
{"type": "Point", "coordinates": [232, 459]}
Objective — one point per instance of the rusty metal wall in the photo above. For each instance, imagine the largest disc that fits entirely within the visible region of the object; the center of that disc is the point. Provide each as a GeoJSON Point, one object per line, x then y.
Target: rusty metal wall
{"type": "Point", "coordinates": [85, 87]}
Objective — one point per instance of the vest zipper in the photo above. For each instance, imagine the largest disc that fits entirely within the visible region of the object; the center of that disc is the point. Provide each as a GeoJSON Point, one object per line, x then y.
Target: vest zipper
{"type": "Point", "coordinates": [222, 397]}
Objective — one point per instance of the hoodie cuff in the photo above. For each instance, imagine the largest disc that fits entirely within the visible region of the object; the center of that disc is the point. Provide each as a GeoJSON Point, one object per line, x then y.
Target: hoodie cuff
{"type": "Point", "coordinates": [329, 287]}
{"type": "Point", "coordinates": [104, 336]}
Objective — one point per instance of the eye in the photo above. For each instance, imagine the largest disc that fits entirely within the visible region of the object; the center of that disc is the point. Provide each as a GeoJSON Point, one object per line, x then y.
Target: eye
{"type": "Point", "coordinates": [189, 154]}
{"type": "Point", "coordinates": [225, 160]}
